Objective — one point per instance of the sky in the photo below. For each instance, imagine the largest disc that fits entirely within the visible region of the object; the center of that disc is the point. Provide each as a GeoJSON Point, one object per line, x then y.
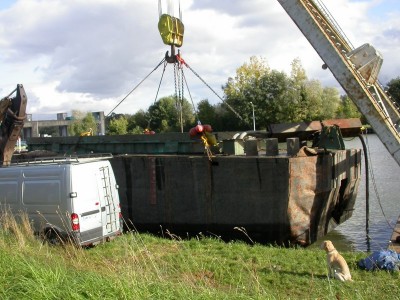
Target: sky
{"type": "Point", "coordinates": [88, 55]}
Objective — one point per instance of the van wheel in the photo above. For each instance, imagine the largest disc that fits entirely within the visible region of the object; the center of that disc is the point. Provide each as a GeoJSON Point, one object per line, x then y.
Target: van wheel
{"type": "Point", "coordinates": [53, 237]}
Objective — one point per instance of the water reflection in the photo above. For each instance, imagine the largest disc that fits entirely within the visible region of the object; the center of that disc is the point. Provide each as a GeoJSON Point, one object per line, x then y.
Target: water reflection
{"type": "Point", "coordinates": [341, 241]}
{"type": "Point", "coordinates": [384, 208]}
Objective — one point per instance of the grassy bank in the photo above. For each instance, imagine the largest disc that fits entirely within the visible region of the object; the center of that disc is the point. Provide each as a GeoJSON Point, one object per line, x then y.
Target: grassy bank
{"type": "Point", "coordinates": [140, 266]}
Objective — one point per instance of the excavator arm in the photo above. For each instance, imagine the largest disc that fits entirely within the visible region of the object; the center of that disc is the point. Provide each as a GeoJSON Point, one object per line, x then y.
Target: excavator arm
{"type": "Point", "coordinates": [12, 116]}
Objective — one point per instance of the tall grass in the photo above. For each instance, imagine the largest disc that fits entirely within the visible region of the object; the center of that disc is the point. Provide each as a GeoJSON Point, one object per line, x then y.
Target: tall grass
{"type": "Point", "coordinates": [142, 266]}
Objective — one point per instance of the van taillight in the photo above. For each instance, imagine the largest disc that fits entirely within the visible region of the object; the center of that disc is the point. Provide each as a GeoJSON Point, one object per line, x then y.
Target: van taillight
{"type": "Point", "coordinates": [75, 222]}
{"type": "Point", "coordinates": [120, 213]}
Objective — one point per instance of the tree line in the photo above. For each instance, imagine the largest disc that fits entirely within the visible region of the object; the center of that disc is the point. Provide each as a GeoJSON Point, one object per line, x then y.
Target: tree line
{"type": "Point", "coordinates": [275, 97]}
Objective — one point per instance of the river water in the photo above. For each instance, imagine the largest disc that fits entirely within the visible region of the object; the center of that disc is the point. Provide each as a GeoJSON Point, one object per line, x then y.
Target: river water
{"type": "Point", "coordinates": [384, 202]}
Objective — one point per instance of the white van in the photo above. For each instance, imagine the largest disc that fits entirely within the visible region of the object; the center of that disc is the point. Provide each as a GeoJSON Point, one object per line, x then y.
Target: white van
{"type": "Point", "coordinates": [64, 198]}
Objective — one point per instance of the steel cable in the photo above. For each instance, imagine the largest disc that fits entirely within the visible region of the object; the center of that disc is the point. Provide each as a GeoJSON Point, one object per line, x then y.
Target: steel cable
{"type": "Point", "coordinates": [161, 62]}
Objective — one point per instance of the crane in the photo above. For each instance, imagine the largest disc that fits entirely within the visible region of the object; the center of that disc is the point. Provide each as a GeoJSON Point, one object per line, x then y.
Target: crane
{"type": "Point", "coordinates": [356, 70]}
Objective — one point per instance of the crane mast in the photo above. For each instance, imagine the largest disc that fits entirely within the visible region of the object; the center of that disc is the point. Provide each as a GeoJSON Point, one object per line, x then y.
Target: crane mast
{"type": "Point", "coordinates": [356, 70]}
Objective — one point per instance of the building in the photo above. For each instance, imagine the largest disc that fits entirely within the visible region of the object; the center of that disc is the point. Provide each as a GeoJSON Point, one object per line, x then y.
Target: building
{"type": "Point", "coordinates": [32, 128]}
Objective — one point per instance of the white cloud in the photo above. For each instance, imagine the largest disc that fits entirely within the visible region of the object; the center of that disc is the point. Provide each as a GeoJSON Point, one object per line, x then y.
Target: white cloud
{"type": "Point", "coordinates": [88, 54]}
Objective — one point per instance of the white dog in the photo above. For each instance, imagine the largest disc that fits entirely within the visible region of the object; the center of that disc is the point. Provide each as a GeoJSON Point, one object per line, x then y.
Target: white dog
{"type": "Point", "coordinates": [337, 266]}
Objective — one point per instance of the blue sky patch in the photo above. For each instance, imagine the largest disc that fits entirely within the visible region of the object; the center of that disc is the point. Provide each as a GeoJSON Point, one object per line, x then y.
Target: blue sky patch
{"type": "Point", "coordinates": [6, 4]}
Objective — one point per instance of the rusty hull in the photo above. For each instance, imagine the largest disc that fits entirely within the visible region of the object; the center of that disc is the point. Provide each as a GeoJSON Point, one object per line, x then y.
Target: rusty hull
{"type": "Point", "coordinates": [279, 199]}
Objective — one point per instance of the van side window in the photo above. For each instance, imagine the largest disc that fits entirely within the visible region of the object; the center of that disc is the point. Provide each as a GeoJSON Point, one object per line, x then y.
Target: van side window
{"type": "Point", "coordinates": [44, 192]}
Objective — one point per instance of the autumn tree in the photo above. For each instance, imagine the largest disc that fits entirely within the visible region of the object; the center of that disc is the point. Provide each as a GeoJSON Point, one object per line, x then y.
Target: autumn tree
{"type": "Point", "coordinates": [279, 98]}
{"type": "Point", "coordinates": [276, 97]}
{"type": "Point", "coordinates": [245, 89]}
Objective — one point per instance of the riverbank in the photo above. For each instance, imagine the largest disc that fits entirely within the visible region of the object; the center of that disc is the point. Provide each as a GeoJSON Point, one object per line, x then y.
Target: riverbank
{"type": "Point", "coordinates": [141, 266]}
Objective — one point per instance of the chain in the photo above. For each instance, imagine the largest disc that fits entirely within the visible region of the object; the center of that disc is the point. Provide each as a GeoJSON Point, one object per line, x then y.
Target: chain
{"type": "Point", "coordinates": [190, 95]}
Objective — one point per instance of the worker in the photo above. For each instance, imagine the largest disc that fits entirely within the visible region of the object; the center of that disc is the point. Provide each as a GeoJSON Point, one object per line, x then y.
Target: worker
{"type": "Point", "coordinates": [205, 133]}
{"type": "Point", "coordinates": [147, 131]}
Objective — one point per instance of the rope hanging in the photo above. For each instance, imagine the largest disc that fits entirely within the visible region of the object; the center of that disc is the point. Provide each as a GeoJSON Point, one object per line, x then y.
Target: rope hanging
{"type": "Point", "coordinates": [160, 63]}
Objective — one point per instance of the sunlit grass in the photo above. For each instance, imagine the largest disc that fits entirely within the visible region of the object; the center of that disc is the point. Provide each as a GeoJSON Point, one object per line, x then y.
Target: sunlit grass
{"type": "Point", "coordinates": [142, 266]}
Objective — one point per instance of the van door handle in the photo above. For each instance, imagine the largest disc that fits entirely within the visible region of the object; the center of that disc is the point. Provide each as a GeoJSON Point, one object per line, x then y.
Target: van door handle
{"type": "Point", "coordinates": [88, 213]}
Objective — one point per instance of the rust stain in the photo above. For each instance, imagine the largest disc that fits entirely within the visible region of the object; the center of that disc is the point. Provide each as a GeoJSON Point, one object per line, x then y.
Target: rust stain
{"type": "Point", "coordinates": [302, 191]}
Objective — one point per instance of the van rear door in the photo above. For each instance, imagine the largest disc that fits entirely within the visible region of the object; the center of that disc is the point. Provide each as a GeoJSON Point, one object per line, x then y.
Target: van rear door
{"type": "Point", "coordinates": [86, 201]}
{"type": "Point", "coordinates": [96, 201]}
{"type": "Point", "coordinates": [109, 200]}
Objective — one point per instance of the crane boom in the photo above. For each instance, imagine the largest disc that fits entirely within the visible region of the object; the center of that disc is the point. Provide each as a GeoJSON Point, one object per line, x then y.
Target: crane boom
{"type": "Point", "coordinates": [356, 70]}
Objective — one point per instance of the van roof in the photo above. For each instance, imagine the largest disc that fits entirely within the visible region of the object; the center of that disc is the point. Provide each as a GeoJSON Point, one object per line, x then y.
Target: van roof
{"type": "Point", "coordinates": [76, 159]}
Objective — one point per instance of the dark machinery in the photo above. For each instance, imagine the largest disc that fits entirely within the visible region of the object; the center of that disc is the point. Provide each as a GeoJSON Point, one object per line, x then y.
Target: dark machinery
{"type": "Point", "coordinates": [12, 116]}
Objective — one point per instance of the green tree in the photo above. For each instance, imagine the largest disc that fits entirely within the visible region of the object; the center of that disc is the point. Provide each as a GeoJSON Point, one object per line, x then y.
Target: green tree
{"type": "Point", "coordinates": [347, 109]}
{"type": "Point", "coordinates": [275, 104]}
{"type": "Point", "coordinates": [227, 120]}
{"type": "Point", "coordinates": [297, 103]}
{"type": "Point", "coordinates": [132, 126]}
{"type": "Point", "coordinates": [393, 88]}
{"type": "Point", "coordinates": [330, 102]}
{"type": "Point", "coordinates": [314, 91]}
{"type": "Point", "coordinates": [277, 97]}
{"type": "Point", "coordinates": [298, 75]}
{"type": "Point", "coordinates": [83, 122]}
{"type": "Point", "coordinates": [118, 126]}
{"type": "Point", "coordinates": [245, 89]}
{"type": "Point", "coordinates": [139, 121]}
{"type": "Point", "coordinates": [307, 100]}
{"type": "Point", "coordinates": [165, 115]}
{"type": "Point", "coordinates": [206, 112]}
